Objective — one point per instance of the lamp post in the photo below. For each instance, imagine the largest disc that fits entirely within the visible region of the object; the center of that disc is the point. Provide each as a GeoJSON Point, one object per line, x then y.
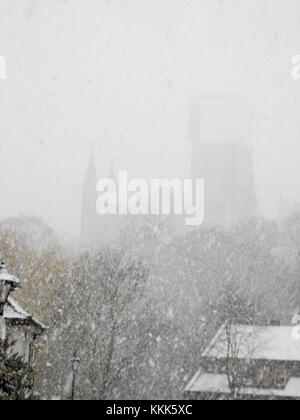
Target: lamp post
{"type": "Point", "coordinates": [75, 362]}
{"type": "Point", "coordinates": [8, 284]}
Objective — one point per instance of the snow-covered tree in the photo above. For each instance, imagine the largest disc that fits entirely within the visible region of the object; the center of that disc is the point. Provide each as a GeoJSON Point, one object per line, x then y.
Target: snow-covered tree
{"type": "Point", "coordinates": [16, 377]}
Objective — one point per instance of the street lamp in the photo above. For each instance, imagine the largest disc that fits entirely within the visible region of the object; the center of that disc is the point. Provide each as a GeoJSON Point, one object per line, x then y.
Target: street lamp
{"type": "Point", "coordinates": [8, 284]}
{"type": "Point", "coordinates": [75, 362]}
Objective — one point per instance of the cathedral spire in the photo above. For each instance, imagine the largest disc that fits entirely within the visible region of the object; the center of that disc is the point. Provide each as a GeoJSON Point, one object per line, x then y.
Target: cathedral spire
{"type": "Point", "coordinates": [91, 171]}
{"type": "Point", "coordinates": [89, 220]}
{"type": "Point", "coordinates": [112, 170]}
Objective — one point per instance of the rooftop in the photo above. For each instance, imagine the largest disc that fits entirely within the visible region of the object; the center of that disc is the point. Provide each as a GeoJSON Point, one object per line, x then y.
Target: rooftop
{"type": "Point", "coordinates": [13, 311]}
{"type": "Point", "coordinates": [218, 384]}
{"type": "Point", "coordinates": [257, 342]}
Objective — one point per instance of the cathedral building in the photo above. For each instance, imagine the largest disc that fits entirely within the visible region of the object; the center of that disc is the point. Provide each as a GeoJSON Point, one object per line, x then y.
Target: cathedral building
{"type": "Point", "coordinates": [220, 129]}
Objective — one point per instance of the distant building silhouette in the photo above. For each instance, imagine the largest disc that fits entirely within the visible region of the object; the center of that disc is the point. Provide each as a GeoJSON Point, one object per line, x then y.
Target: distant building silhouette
{"type": "Point", "coordinates": [97, 231]}
{"type": "Point", "coordinates": [219, 129]}
{"type": "Point", "coordinates": [89, 217]}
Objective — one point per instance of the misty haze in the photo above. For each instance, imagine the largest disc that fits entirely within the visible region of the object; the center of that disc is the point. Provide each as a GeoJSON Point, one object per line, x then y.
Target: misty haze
{"type": "Point", "coordinates": [149, 201]}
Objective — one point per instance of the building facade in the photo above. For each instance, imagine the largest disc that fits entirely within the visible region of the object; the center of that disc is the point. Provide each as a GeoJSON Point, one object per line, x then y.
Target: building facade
{"type": "Point", "coordinates": [22, 330]}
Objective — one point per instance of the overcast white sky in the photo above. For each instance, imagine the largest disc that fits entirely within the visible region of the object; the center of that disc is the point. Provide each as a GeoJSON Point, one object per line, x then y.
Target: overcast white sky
{"type": "Point", "coordinates": [119, 75]}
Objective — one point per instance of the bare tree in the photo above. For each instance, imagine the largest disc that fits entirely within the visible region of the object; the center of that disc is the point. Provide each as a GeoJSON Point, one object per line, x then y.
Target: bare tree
{"type": "Point", "coordinates": [99, 314]}
{"type": "Point", "coordinates": [239, 340]}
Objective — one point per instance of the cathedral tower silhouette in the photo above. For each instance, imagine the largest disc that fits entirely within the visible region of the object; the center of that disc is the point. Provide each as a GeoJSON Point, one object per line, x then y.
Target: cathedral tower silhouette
{"type": "Point", "coordinates": [97, 231]}
{"type": "Point", "coordinates": [89, 216]}
{"type": "Point", "coordinates": [220, 129]}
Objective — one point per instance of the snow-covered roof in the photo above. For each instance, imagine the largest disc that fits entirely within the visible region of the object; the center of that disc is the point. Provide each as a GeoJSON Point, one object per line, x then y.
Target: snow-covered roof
{"type": "Point", "coordinates": [6, 277]}
{"type": "Point", "coordinates": [257, 342]}
{"type": "Point", "coordinates": [218, 384]}
{"type": "Point", "coordinates": [13, 311]}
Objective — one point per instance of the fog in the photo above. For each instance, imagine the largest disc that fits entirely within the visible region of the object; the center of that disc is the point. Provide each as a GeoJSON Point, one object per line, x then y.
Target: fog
{"type": "Point", "coordinates": [118, 76]}
{"type": "Point", "coordinates": [149, 199]}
